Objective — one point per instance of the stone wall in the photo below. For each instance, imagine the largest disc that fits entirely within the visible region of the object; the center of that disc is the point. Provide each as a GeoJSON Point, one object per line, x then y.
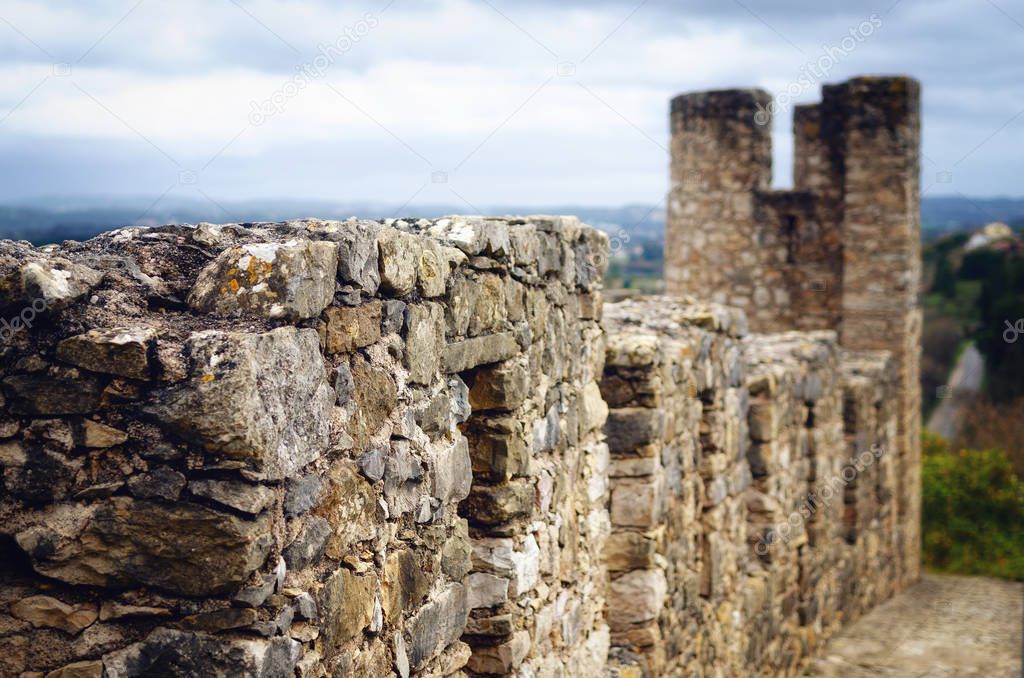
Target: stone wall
{"type": "Point", "coordinates": [352, 447]}
{"type": "Point", "coordinates": [839, 252]}
{"type": "Point", "coordinates": [421, 448]}
{"type": "Point", "coordinates": [752, 484]}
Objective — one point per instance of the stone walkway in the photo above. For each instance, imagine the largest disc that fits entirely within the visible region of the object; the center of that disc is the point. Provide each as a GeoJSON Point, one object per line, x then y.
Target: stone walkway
{"type": "Point", "coordinates": [944, 627]}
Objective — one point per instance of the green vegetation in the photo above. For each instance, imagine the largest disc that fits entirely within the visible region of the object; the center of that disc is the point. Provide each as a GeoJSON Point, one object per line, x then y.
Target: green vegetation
{"type": "Point", "coordinates": [972, 511]}
{"type": "Point", "coordinates": [977, 296]}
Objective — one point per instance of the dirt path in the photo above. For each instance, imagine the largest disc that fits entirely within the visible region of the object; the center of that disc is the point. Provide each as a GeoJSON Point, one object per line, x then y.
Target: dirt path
{"type": "Point", "coordinates": [944, 627]}
{"type": "Point", "coordinates": [963, 384]}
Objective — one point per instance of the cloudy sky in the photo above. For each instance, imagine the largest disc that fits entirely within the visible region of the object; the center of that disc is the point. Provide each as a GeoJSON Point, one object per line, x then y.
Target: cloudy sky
{"type": "Point", "coordinates": [480, 102]}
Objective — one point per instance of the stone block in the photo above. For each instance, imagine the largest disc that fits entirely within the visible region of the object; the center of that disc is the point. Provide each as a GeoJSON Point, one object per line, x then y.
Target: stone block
{"type": "Point", "coordinates": [182, 548]}
{"type": "Point", "coordinates": [349, 328]}
{"type": "Point", "coordinates": [636, 597]}
{"type": "Point", "coordinates": [503, 387]}
{"type": "Point", "coordinates": [242, 395]}
{"type": "Point", "coordinates": [123, 351]}
{"type": "Point", "coordinates": [495, 504]}
{"type": "Point", "coordinates": [292, 280]}
{"type": "Point", "coordinates": [630, 428]}
{"type": "Point", "coordinates": [463, 355]}
{"type": "Point", "coordinates": [437, 625]}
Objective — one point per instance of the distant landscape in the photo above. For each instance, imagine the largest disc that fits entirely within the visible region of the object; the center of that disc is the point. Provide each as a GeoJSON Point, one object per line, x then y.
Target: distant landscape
{"type": "Point", "coordinates": [637, 231]}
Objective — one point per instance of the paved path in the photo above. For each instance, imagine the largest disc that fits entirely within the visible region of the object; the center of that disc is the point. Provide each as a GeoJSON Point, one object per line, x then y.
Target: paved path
{"type": "Point", "coordinates": [944, 627]}
{"type": "Point", "coordinates": [964, 382]}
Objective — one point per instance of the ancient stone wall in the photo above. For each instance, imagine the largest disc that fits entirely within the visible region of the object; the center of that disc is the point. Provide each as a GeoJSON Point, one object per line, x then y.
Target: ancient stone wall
{"type": "Point", "coordinates": [840, 252]}
{"type": "Point", "coordinates": [752, 498]}
{"type": "Point", "coordinates": [352, 447]}
{"type": "Point", "coordinates": [421, 448]}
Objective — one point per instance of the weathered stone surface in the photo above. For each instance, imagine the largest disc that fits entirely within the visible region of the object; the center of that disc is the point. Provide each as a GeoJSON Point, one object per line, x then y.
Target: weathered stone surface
{"type": "Point", "coordinates": [488, 314]}
{"type": "Point", "coordinates": [110, 610]}
{"type": "Point", "coordinates": [63, 392]}
{"type": "Point", "coordinates": [463, 355]}
{"type": "Point", "coordinates": [43, 282]}
{"type": "Point", "coordinates": [347, 602]}
{"type": "Point", "coordinates": [301, 494]}
{"type": "Point", "coordinates": [90, 668]}
{"type": "Point", "coordinates": [375, 395]}
{"type": "Point", "coordinates": [244, 497]}
{"type": "Point", "coordinates": [636, 504]}
{"type": "Point", "coordinates": [451, 472]}
{"type": "Point", "coordinates": [403, 479]}
{"type": "Point", "coordinates": [349, 328]}
{"type": "Point", "coordinates": [501, 659]}
{"type": "Point", "coordinates": [635, 597]}
{"type": "Point", "coordinates": [492, 504]}
{"type": "Point", "coordinates": [126, 542]}
{"type": "Point", "coordinates": [486, 590]}
{"type": "Point", "coordinates": [438, 624]}
{"type": "Point", "coordinates": [309, 546]}
{"type": "Point", "coordinates": [97, 435]}
{"type": "Point", "coordinates": [349, 505]}
{"type": "Point", "coordinates": [174, 652]}
{"type": "Point", "coordinates": [49, 612]}
{"type": "Point", "coordinates": [631, 427]}
{"type": "Point", "coordinates": [457, 551]}
{"type": "Point", "coordinates": [499, 456]}
{"type": "Point", "coordinates": [162, 482]}
{"type": "Point", "coordinates": [243, 392]}
{"type": "Point", "coordinates": [358, 254]}
{"type": "Point", "coordinates": [399, 261]}
{"type": "Point", "coordinates": [405, 583]}
{"type": "Point", "coordinates": [424, 341]}
{"type": "Point", "coordinates": [292, 280]}
{"type": "Point", "coordinates": [122, 351]}
{"type": "Point", "coordinates": [629, 551]}
{"type": "Point", "coordinates": [503, 386]}
{"type": "Point", "coordinates": [392, 317]}
{"type": "Point", "coordinates": [220, 620]}
{"type": "Point", "coordinates": [433, 270]}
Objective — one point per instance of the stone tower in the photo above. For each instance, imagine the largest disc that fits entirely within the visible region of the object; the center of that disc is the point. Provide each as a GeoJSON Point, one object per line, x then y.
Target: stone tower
{"type": "Point", "coordinates": [841, 251]}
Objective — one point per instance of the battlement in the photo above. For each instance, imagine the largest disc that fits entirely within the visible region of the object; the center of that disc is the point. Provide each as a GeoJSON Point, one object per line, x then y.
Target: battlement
{"type": "Point", "coordinates": [841, 251]}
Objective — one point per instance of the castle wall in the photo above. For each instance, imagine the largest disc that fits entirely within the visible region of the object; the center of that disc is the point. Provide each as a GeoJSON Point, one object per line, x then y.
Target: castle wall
{"type": "Point", "coordinates": [840, 252]}
{"type": "Point", "coordinates": [751, 505]}
{"type": "Point", "coordinates": [422, 448]}
{"type": "Point", "coordinates": [352, 447]}
{"type": "Point", "coordinates": [882, 256]}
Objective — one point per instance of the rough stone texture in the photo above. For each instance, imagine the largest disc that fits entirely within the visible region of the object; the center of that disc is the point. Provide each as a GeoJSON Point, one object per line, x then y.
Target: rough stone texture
{"type": "Point", "coordinates": [840, 252]}
{"type": "Point", "coordinates": [254, 450]}
{"type": "Point", "coordinates": [761, 516]}
{"type": "Point", "coordinates": [426, 448]}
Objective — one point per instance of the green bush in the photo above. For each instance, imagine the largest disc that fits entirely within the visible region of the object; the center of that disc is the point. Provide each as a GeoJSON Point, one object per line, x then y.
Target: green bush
{"type": "Point", "coordinates": [972, 512]}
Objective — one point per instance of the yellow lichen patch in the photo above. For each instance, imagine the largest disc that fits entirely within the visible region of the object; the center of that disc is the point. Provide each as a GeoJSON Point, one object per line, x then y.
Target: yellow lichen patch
{"type": "Point", "coordinates": [258, 268]}
{"type": "Point", "coordinates": [234, 285]}
{"type": "Point", "coordinates": [207, 378]}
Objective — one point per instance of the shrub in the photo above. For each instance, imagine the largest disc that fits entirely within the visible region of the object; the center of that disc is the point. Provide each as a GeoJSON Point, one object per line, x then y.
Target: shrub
{"type": "Point", "coordinates": [972, 511]}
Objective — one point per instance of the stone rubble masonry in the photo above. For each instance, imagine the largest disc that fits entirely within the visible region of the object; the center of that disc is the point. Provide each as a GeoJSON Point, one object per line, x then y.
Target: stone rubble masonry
{"type": "Point", "coordinates": [306, 448]}
{"type": "Point", "coordinates": [423, 448]}
{"type": "Point", "coordinates": [839, 252]}
{"type": "Point", "coordinates": [752, 490]}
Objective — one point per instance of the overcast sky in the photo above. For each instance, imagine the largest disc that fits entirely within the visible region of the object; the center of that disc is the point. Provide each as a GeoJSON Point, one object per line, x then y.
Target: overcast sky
{"type": "Point", "coordinates": [479, 102]}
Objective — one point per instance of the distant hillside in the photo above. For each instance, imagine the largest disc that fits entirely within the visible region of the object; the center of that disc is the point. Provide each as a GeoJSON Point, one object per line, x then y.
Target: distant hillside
{"type": "Point", "coordinates": [58, 220]}
{"type": "Point", "coordinates": [951, 214]}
